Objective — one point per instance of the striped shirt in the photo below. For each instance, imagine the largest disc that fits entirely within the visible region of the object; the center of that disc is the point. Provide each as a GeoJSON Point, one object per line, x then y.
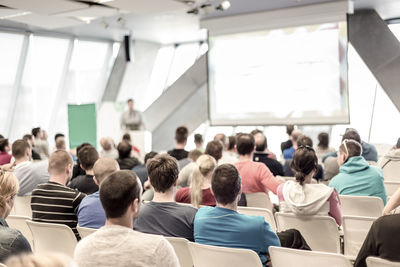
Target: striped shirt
{"type": "Point", "coordinates": [55, 203]}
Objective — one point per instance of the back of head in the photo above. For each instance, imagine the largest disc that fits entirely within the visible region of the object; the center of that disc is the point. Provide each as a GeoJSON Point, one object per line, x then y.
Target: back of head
{"type": "Point", "coordinates": [194, 154]}
{"type": "Point", "coordinates": [58, 135]}
{"type": "Point", "coordinates": [149, 155]}
{"type": "Point", "coordinates": [19, 148]}
{"type": "Point", "coordinates": [295, 135]}
{"type": "Point", "coordinates": [126, 137]}
{"type": "Point", "coordinates": [59, 161]}
{"type": "Point", "coordinates": [198, 139]}
{"type": "Point", "coordinates": [351, 134]}
{"type": "Point", "coordinates": [398, 143]}
{"type": "Point", "coordinates": [78, 148]}
{"type": "Point", "coordinates": [124, 150]}
{"type": "Point", "coordinates": [60, 144]}
{"type": "Point", "coordinates": [323, 139]}
{"type": "Point", "coordinates": [221, 137]}
{"type": "Point", "coordinates": [104, 167]}
{"type": "Point", "coordinates": [226, 184]}
{"type": "Point", "coordinates": [36, 132]}
{"type": "Point", "coordinates": [27, 137]}
{"type": "Point", "coordinates": [181, 134]}
{"type": "Point", "coordinates": [163, 172]}
{"type": "Point", "coordinates": [289, 129]}
{"type": "Point", "coordinates": [304, 162]}
{"type": "Point", "coordinates": [205, 165]}
{"type": "Point", "coordinates": [3, 144]}
{"type": "Point", "coordinates": [214, 149]}
{"type": "Point", "coordinates": [106, 143]}
{"type": "Point", "coordinates": [245, 144]}
{"type": "Point", "coordinates": [303, 140]}
{"type": "Point", "coordinates": [87, 157]}
{"type": "Point", "coordinates": [231, 142]}
{"type": "Point", "coordinates": [8, 189]}
{"type": "Point", "coordinates": [351, 148]}
{"type": "Point", "coordinates": [260, 141]}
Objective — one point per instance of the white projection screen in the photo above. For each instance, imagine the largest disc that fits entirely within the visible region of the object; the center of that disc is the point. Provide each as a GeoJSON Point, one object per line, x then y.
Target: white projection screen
{"type": "Point", "coordinates": [283, 76]}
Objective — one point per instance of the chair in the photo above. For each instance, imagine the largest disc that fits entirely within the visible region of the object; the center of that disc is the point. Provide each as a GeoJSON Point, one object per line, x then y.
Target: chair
{"type": "Point", "coordinates": [378, 262]}
{"type": "Point", "coordinates": [259, 200]}
{"type": "Point", "coordinates": [19, 223]}
{"type": "Point", "coordinates": [22, 206]}
{"type": "Point", "coordinates": [212, 256]}
{"type": "Point", "coordinates": [320, 232]}
{"type": "Point", "coordinates": [355, 230]}
{"type": "Point", "coordinates": [391, 171]}
{"type": "Point", "coordinates": [52, 237]}
{"type": "Point", "coordinates": [284, 257]}
{"type": "Point", "coordinates": [266, 213]}
{"type": "Point", "coordinates": [85, 231]}
{"type": "Point", "coordinates": [361, 206]}
{"type": "Point", "coordinates": [391, 188]}
{"type": "Point", "coordinates": [182, 250]}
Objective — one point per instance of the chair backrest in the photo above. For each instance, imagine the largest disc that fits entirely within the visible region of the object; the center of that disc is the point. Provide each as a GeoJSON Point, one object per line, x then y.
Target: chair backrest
{"type": "Point", "coordinates": [361, 206]}
{"type": "Point", "coordinates": [2, 265]}
{"type": "Point", "coordinates": [52, 237]}
{"type": "Point", "coordinates": [181, 250]}
{"type": "Point", "coordinates": [284, 257]}
{"type": "Point", "coordinates": [266, 213]}
{"type": "Point", "coordinates": [391, 187]}
{"type": "Point", "coordinates": [378, 262]}
{"type": "Point", "coordinates": [19, 223]}
{"type": "Point", "coordinates": [391, 171]}
{"type": "Point", "coordinates": [355, 230]}
{"type": "Point", "coordinates": [212, 256]}
{"type": "Point", "coordinates": [85, 231]}
{"type": "Point", "coordinates": [22, 206]}
{"type": "Point", "coordinates": [320, 232]}
{"type": "Point", "coordinates": [258, 200]}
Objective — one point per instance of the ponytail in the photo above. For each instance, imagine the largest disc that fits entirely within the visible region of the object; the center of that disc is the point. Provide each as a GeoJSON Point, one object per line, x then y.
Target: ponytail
{"type": "Point", "coordinates": [205, 165]}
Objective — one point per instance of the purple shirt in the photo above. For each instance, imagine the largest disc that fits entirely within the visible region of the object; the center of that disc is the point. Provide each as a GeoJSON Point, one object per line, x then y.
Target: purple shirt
{"type": "Point", "coordinates": [5, 158]}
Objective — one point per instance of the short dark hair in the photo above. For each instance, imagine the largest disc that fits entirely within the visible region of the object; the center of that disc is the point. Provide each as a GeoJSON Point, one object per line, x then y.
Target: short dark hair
{"type": "Point", "coordinates": [351, 134]}
{"type": "Point", "coordinates": [194, 154]}
{"type": "Point", "coordinates": [245, 143]}
{"type": "Point", "coordinates": [3, 144]}
{"type": "Point", "coordinates": [35, 131]}
{"type": "Point", "coordinates": [27, 137]}
{"type": "Point", "coordinates": [163, 171]}
{"type": "Point", "coordinates": [323, 139]}
{"type": "Point", "coordinates": [126, 137]}
{"type": "Point", "coordinates": [198, 138]}
{"type": "Point", "coordinates": [231, 142]}
{"type": "Point", "coordinates": [19, 147]}
{"type": "Point", "coordinates": [124, 150]}
{"type": "Point", "coordinates": [129, 100]}
{"type": "Point", "coordinates": [221, 137]}
{"type": "Point", "coordinates": [78, 148]}
{"type": "Point", "coordinates": [58, 135]}
{"type": "Point", "coordinates": [117, 192]}
{"type": "Point", "coordinates": [214, 149]}
{"type": "Point", "coordinates": [1, 136]}
{"type": "Point", "coordinates": [354, 148]}
{"type": "Point", "coordinates": [304, 141]}
{"type": "Point", "coordinates": [226, 184]}
{"type": "Point", "coordinates": [149, 155]}
{"type": "Point", "coordinates": [263, 145]}
{"type": "Point", "coordinates": [256, 131]}
{"type": "Point", "coordinates": [289, 129]}
{"type": "Point", "coordinates": [181, 134]}
{"type": "Point", "coordinates": [87, 157]}
{"type": "Point", "coordinates": [304, 162]}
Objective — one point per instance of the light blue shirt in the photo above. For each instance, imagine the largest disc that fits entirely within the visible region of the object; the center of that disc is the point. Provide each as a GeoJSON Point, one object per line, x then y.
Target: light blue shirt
{"type": "Point", "coordinates": [227, 228]}
{"type": "Point", "coordinates": [90, 212]}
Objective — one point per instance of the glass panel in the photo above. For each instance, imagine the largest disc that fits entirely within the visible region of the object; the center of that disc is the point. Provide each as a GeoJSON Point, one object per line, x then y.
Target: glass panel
{"type": "Point", "coordinates": [184, 57]}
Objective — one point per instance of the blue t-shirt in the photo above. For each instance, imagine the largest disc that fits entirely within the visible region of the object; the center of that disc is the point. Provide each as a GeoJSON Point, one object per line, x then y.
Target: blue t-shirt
{"type": "Point", "coordinates": [90, 212]}
{"type": "Point", "coordinates": [288, 153]}
{"type": "Point", "coordinates": [227, 228]}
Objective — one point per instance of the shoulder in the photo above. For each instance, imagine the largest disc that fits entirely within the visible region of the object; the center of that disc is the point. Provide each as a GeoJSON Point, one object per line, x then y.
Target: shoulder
{"type": "Point", "coordinates": [183, 191]}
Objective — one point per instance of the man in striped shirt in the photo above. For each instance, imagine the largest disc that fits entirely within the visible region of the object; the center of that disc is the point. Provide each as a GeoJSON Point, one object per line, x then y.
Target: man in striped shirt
{"type": "Point", "coordinates": [54, 202]}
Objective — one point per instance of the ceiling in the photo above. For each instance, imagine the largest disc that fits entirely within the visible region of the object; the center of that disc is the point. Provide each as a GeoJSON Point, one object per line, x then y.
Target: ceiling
{"type": "Point", "coordinates": [162, 21]}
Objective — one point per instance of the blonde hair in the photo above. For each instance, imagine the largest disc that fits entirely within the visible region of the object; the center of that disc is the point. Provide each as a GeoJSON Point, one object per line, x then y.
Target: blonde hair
{"type": "Point", "coordinates": [205, 165]}
{"type": "Point", "coordinates": [8, 188]}
{"type": "Point", "coordinates": [41, 260]}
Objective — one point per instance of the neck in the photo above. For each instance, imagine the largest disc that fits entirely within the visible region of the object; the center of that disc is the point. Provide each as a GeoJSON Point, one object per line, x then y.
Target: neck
{"type": "Point", "coordinates": [180, 146]}
{"type": "Point", "coordinates": [60, 179]}
{"type": "Point", "coordinates": [308, 178]}
{"type": "Point", "coordinates": [167, 196]}
{"type": "Point", "coordinates": [206, 182]}
{"type": "Point", "coordinates": [230, 206]}
{"type": "Point", "coordinates": [89, 172]}
{"type": "Point", "coordinates": [125, 220]}
{"type": "Point", "coordinates": [20, 160]}
{"type": "Point", "coordinates": [247, 157]}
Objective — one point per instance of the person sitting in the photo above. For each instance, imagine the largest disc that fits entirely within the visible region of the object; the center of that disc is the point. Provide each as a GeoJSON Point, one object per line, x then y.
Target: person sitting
{"type": "Point", "coordinates": [261, 155]}
{"type": "Point", "coordinates": [228, 155]}
{"type": "Point", "coordinates": [29, 139]}
{"type": "Point", "coordinates": [90, 212]}
{"type": "Point", "coordinates": [392, 204]}
{"type": "Point", "coordinates": [163, 216]}
{"type": "Point", "coordinates": [356, 177]}
{"type": "Point", "coordinates": [287, 144]}
{"type": "Point", "coordinates": [125, 161]}
{"type": "Point", "coordinates": [12, 242]}
{"type": "Point", "coordinates": [198, 141]}
{"type": "Point", "coordinates": [185, 175]}
{"type": "Point", "coordinates": [288, 153]}
{"type": "Point", "coordinates": [135, 150]}
{"type": "Point", "coordinates": [54, 202]}
{"type": "Point", "coordinates": [391, 161]}
{"type": "Point", "coordinates": [113, 244]}
{"type": "Point", "coordinates": [108, 149]}
{"type": "Point", "coordinates": [323, 146]}
{"type": "Point", "coordinates": [28, 173]}
{"type": "Point", "coordinates": [77, 167]}
{"type": "Point", "coordinates": [256, 177]}
{"type": "Point", "coordinates": [215, 149]}
{"type": "Point", "coordinates": [85, 183]}
{"type": "Point", "coordinates": [303, 198]}
{"type": "Point", "coordinates": [40, 143]}
{"type": "Point", "coordinates": [181, 136]}
{"type": "Point", "coordinates": [199, 192]}
{"type": "Point", "coordinates": [44, 259]}
{"type": "Point", "coordinates": [140, 169]}
{"type": "Point", "coordinates": [60, 144]}
{"type": "Point", "coordinates": [5, 157]}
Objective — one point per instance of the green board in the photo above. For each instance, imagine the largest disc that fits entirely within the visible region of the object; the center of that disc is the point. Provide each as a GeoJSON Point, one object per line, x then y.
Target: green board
{"type": "Point", "coordinates": [82, 124]}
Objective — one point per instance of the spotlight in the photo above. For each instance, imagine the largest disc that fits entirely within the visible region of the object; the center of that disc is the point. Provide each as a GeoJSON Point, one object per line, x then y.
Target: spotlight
{"type": "Point", "coordinates": [224, 5]}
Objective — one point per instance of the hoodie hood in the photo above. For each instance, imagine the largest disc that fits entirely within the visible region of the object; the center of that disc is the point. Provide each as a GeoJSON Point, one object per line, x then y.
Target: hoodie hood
{"type": "Point", "coordinates": [307, 199]}
{"type": "Point", "coordinates": [354, 164]}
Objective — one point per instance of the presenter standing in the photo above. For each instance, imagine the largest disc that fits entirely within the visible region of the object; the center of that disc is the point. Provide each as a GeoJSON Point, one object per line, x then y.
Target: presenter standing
{"type": "Point", "coordinates": [131, 119]}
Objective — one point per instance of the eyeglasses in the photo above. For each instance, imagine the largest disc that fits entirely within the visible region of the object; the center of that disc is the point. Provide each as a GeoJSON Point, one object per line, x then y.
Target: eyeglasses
{"type": "Point", "coordinates": [344, 143]}
{"type": "Point", "coordinates": [310, 148]}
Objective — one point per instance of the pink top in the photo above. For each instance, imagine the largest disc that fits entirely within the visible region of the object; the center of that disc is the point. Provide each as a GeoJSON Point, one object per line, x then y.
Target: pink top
{"type": "Point", "coordinates": [334, 204]}
{"type": "Point", "coordinates": [256, 177]}
{"type": "Point", "coordinates": [5, 158]}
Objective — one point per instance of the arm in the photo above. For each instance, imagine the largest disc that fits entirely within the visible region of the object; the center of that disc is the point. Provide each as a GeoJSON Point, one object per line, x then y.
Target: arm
{"type": "Point", "coordinates": [393, 203]}
{"type": "Point", "coordinates": [334, 207]}
{"type": "Point", "coordinates": [268, 180]}
{"type": "Point", "coordinates": [368, 248]}
{"type": "Point", "coordinates": [165, 255]}
{"type": "Point", "coordinates": [77, 201]}
{"type": "Point", "coordinates": [20, 244]}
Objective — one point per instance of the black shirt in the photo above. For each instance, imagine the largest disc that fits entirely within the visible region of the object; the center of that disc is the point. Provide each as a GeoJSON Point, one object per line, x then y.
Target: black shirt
{"type": "Point", "coordinates": [141, 172]}
{"type": "Point", "coordinates": [178, 153]}
{"type": "Point", "coordinates": [128, 163]}
{"type": "Point", "coordinates": [273, 165]}
{"type": "Point", "coordinates": [84, 184]}
{"type": "Point", "coordinates": [319, 174]}
{"type": "Point", "coordinates": [285, 145]}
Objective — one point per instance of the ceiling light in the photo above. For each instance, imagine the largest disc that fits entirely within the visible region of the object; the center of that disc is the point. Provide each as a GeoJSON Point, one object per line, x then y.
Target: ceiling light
{"type": "Point", "coordinates": [224, 5]}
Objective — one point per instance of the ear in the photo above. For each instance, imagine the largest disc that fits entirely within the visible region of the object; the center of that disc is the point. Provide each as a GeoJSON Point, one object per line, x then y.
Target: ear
{"type": "Point", "coordinates": [95, 180]}
{"type": "Point", "coordinates": [135, 206]}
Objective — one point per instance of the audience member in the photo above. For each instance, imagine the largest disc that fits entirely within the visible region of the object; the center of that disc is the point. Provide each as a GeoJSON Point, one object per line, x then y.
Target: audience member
{"type": "Point", "coordinates": [113, 244]}
{"type": "Point", "coordinates": [141, 170]}
{"type": "Point", "coordinates": [57, 136]}
{"type": "Point", "coordinates": [356, 176]}
{"type": "Point", "coordinates": [288, 153]}
{"type": "Point", "coordinates": [50, 259]}
{"type": "Point", "coordinates": [60, 144]}
{"type": "Point", "coordinates": [108, 149]}
{"type": "Point", "coordinates": [5, 157]}
{"type": "Point", "coordinates": [228, 156]}
{"type": "Point", "coordinates": [12, 242]}
{"type": "Point", "coordinates": [28, 173]}
{"type": "Point", "coordinates": [224, 226]}
{"type": "Point", "coordinates": [323, 146]}
{"type": "Point", "coordinates": [392, 204]}
{"type": "Point", "coordinates": [261, 155]}
{"type": "Point", "coordinates": [54, 202]}
{"type": "Point", "coordinates": [383, 240]}
{"type": "Point", "coordinates": [135, 150]}
{"type": "Point", "coordinates": [77, 167]}
{"type": "Point", "coordinates": [303, 198]}
{"type": "Point", "coordinates": [198, 141]}
{"type": "Point", "coordinates": [181, 135]}
{"type": "Point", "coordinates": [40, 142]}
{"type": "Point", "coordinates": [163, 216]}
{"type": "Point", "coordinates": [185, 175]}
{"type": "Point", "coordinates": [256, 177]}
{"type": "Point", "coordinates": [85, 183]}
{"type": "Point", "coordinates": [287, 144]}
{"type": "Point", "coordinates": [214, 149]}
{"type": "Point", "coordinates": [28, 138]}
{"type": "Point", "coordinates": [125, 161]}
{"type": "Point", "coordinates": [199, 192]}
{"type": "Point", "coordinates": [391, 160]}
{"type": "Point", "coordinates": [90, 212]}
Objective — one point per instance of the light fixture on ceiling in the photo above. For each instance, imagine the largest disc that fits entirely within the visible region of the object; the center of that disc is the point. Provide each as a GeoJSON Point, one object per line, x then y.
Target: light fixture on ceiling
{"type": "Point", "coordinates": [224, 5]}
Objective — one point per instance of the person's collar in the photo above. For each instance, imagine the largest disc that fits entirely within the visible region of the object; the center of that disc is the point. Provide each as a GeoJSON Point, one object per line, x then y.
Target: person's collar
{"type": "Point", "coordinates": [3, 222]}
{"type": "Point", "coordinates": [22, 164]}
